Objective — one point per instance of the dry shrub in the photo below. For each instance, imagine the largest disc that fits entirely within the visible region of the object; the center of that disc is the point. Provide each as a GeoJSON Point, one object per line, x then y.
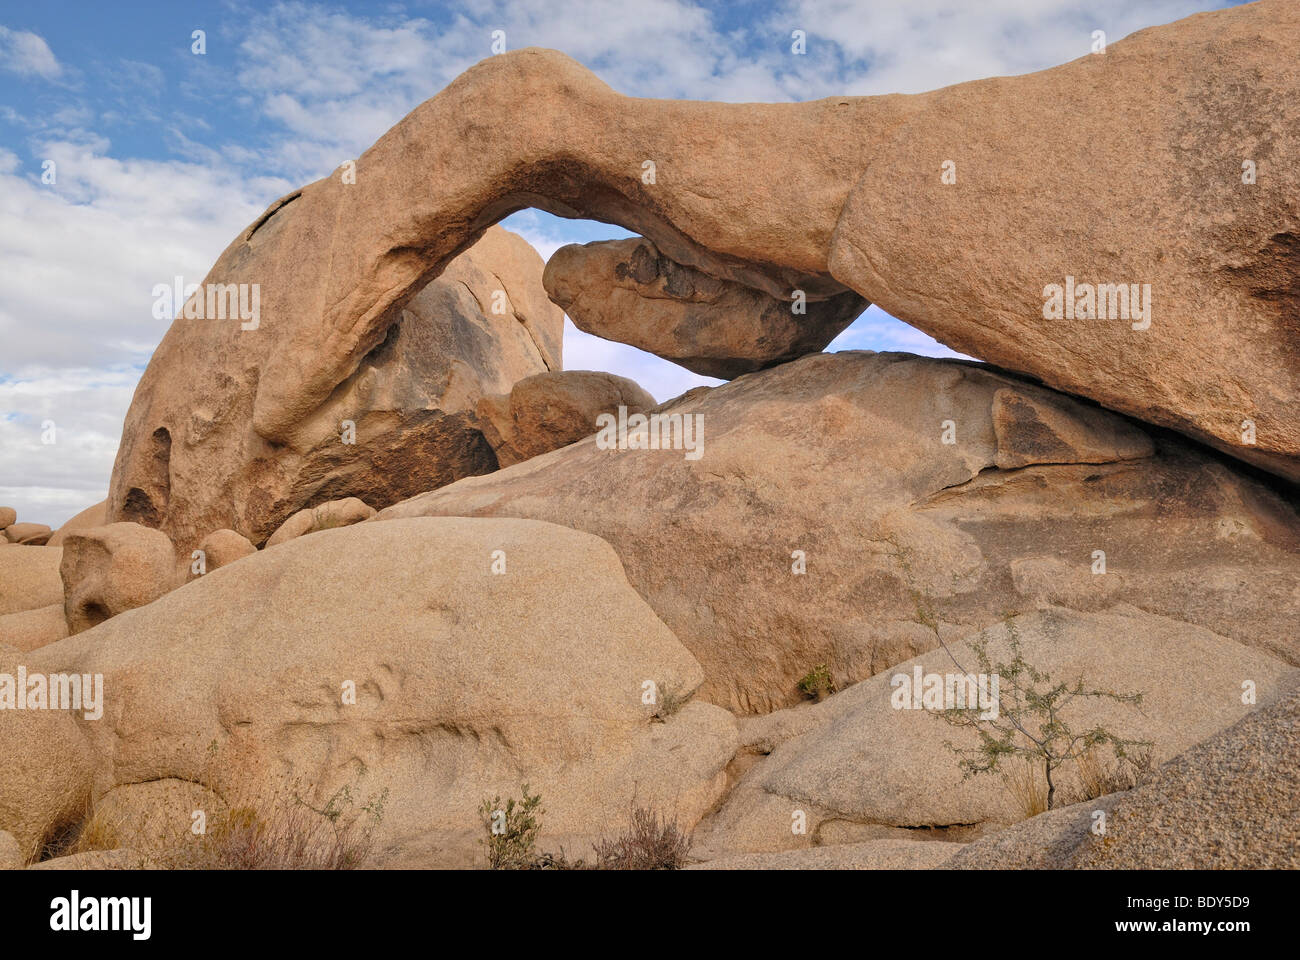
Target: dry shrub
{"type": "Point", "coordinates": [1027, 787]}
{"type": "Point", "coordinates": [1097, 777]}
{"type": "Point", "coordinates": [650, 843]}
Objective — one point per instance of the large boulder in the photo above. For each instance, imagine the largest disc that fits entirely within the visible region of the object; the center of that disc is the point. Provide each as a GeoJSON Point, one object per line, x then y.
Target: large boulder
{"type": "Point", "coordinates": [222, 547]}
{"type": "Point", "coordinates": [860, 762]}
{"type": "Point", "coordinates": [35, 534]}
{"type": "Point", "coordinates": [551, 410]}
{"type": "Point", "coordinates": [8, 517]}
{"type": "Point", "coordinates": [399, 419]}
{"type": "Point", "coordinates": [326, 516]}
{"type": "Point", "coordinates": [824, 499]}
{"type": "Point", "coordinates": [392, 657]}
{"type": "Point", "coordinates": [1229, 803]}
{"type": "Point", "coordinates": [627, 290]}
{"type": "Point", "coordinates": [29, 578]}
{"type": "Point", "coordinates": [116, 567]}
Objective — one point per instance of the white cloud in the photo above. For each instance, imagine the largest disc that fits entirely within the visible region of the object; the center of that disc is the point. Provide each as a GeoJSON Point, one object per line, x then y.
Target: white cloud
{"type": "Point", "coordinates": [27, 54]}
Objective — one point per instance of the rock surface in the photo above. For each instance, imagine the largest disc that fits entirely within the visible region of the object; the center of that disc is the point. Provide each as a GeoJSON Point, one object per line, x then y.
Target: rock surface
{"type": "Point", "coordinates": [8, 517]}
{"type": "Point", "coordinates": [29, 629]}
{"type": "Point", "coordinates": [551, 410]}
{"type": "Point", "coordinates": [842, 457]}
{"type": "Point", "coordinates": [467, 684]}
{"type": "Point", "coordinates": [871, 855]}
{"type": "Point", "coordinates": [396, 418]}
{"type": "Point", "coordinates": [109, 569]}
{"type": "Point", "coordinates": [47, 766]}
{"type": "Point", "coordinates": [335, 513]}
{"type": "Point", "coordinates": [626, 290]}
{"type": "Point", "coordinates": [858, 759]}
{"type": "Point", "coordinates": [29, 578]}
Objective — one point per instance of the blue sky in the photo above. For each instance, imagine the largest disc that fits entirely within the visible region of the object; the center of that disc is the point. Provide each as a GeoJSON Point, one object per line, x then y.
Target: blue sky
{"type": "Point", "coordinates": [161, 155]}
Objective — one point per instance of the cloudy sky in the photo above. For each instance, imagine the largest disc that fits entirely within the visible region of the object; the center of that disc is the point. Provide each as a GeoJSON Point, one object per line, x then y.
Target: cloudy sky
{"type": "Point", "coordinates": [160, 155]}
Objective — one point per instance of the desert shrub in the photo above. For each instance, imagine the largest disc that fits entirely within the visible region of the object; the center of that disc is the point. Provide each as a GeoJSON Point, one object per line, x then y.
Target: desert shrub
{"type": "Point", "coordinates": [669, 701]}
{"type": "Point", "coordinates": [650, 843]}
{"type": "Point", "coordinates": [817, 683]}
{"type": "Point", "coordinates": [512, 829]}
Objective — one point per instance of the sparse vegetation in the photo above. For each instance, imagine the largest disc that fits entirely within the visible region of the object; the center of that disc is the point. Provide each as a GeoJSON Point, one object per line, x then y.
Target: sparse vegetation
{"type": "Point", "coordinates": [512, 829]}
{"type": "Point", "coordinates": [1030, 700]}
{"type": "Point", "coordinates": [650, 843]}
{"type": "Point", "coordinates": [817, 683]}
{"type": "Point", "coordinates": [669, 700]}
{"type": "Point", "coordinates": [1098, 777]}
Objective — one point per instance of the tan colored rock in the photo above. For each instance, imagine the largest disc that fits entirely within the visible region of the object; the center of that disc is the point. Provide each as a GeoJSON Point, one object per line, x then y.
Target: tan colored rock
{"type": "Point", "coordinates": [467, 684]}
{"type": "Point", "coordinates": [336, 513]}
{"type": "Point", "coordinates": [29, 629]}
{"type": "Point", "coordinates": [97, 860]}
{"type": "Point", "coordinates": [871, 855]}
{"type": "Point", "coordinates": [34, 534]}
{"type": "Point", "coordinates": [551, 410]}
{"type": "Point", "coordinates": [29, 579]}
{"type": "Point", "coordinates": [1229, 803]}
{"type": "Point", "coordinates": [47, 764]}
{"type": "Point", "coordinates": [93, 516]}
{"type": "Point", "coordinates": [222, 547]}
{"type": "Point", "coordinates": [398, 420]}
{"type": "Point", "coordinates": [863, 760]}
{"type": "Point", "coordinates": [11, 854]}
{"type": "Point", "coordinates": [109, 569]}
{"type": "Point", "coordinates": [626, 290]}
{"type": "Point", "coordinates": [842, 457]}
{"type": "Point", "coordinates": [8, 517]}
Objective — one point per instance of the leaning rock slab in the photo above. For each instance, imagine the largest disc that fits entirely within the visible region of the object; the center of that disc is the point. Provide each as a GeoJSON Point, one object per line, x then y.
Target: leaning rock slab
{"type": "Point", "coordinates": [628, 291]}
{"type": "Point", "coordinates": [34, 534]}
{"type": "Point", "coordinates": [467, 684]}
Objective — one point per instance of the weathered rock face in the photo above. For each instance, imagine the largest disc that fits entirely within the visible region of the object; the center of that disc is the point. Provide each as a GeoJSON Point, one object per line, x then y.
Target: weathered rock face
{"type": "Point", "coordinates": [29, 578]}
{"type": "Point", "coordinates": [626, 290]}
{"type": "Point", "coordinates": [1229, 803]}
{"type": "Point", "coordinates": [858, 761]}
{"type": "Point", "coordinates": [398, 420]}
{"type": "Point", "coordinates": [551, 410]}
{"type": "Point", "coordinates": [335, 513]}
{"type": "Point", "coordinates": [116, 567]}
{"type": "Point", "coordinates": [8, 517]}
{"type": "Point", "coordinates": [467, 683]}
{"type": "Point", "coordinates": [837, 465]}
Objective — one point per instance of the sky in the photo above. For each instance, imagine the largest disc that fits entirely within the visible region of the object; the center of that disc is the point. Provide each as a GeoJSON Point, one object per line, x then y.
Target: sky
{"type": "Point", "coordinates": [161, 155]}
